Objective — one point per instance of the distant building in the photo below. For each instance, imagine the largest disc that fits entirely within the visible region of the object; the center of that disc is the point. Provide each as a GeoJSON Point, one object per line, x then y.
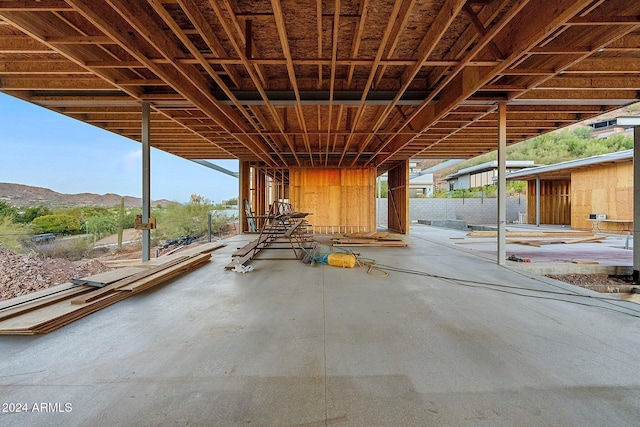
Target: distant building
{"type": "Point", "coordinates": [421, 185]}
{"type": "Point", "coordinates": [482, 175]}
{"type": "Point", "coordinates": [606, 128]}
{"type": "Point", "coordinates": [414, 167]}
{"type": "Point", "coordinates": [577, 192]}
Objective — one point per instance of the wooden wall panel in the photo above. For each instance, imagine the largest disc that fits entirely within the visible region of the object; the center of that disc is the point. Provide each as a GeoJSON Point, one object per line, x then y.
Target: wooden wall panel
{"type": "Point", "coordinates": [398, 198]}
{"type": "Point", "coordinates": [531, 202]}
{"type": "Point", "coordinates": [339, 200]}
{"type": "Point", "coordinates": [602, 190]}
{"type": "Point", "coordinates": [555, 202]}
{"type": "Point", "coordinates": [605, 189]}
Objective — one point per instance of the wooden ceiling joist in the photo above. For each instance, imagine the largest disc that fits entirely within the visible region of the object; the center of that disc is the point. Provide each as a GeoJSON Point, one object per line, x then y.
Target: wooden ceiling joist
{"type": "Point", "coordinates": [324, 83]}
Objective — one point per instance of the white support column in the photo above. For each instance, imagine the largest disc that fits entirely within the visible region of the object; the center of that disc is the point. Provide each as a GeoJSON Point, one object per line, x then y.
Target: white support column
{"type": "Point", "coordinates": [538, 201]}
{"type": "Point", "coordinates": [502, 183]}
{"type": "Point", "coordinates": [635, 122]}
{"type": "Point", "coordinates": [146, 179]}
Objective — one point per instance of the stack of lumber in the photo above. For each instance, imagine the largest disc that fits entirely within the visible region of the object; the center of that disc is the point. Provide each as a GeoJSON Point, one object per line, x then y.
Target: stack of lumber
{"type": "Point", "coordinates": [369, 239]}
{"type": "Point", "coordinates": [47, 310]}
{"type": "Point", "coordinates": [539, 238]}
{"type": "Point", "coordinates": [245, 253]}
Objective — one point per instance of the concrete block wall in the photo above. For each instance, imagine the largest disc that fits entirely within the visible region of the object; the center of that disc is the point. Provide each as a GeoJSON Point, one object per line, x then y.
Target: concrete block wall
{"type": "Point", "coordinates": [473, 211]}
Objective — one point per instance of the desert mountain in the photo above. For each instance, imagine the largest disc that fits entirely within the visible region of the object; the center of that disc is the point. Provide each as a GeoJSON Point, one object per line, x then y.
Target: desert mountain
{"type": "Point", "coordinates": [24, 195]}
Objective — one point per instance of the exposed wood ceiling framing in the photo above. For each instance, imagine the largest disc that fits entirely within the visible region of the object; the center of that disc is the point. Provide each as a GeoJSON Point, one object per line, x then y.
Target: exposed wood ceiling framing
{"type": "Point", "coordinates": [325, 83]}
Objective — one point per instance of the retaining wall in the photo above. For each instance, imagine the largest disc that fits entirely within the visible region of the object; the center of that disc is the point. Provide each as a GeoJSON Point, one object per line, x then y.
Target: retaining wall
{"type": "Point", "coordinates": [473, 211]}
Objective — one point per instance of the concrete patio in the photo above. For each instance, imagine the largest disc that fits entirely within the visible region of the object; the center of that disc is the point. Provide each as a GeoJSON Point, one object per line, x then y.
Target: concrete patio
{"type": "Point", "coordinates": [295, 345]}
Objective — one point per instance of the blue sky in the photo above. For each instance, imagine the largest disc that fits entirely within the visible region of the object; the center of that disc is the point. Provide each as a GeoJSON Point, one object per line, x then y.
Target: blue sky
{"type": "Point", "coordinates": [45, 149]}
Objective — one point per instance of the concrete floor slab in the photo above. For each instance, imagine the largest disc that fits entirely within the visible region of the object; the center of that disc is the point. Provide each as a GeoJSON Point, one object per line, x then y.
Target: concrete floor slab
{"type": "Point", "coordinates": [291, 344]}
{"type": "Point", "coordinates": [614, 255]}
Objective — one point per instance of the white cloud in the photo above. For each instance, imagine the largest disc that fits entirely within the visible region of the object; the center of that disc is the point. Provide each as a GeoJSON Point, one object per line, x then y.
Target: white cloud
{"type": "Point", "coordinates": [132, 161]}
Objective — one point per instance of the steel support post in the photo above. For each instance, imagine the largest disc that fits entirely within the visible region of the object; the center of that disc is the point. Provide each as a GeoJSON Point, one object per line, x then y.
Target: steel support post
{"type": "Point", "coordinates": [636, 204]}
{"type": "Point", "coordinates": [146, 179]}
{"type": "Point", "coordinates": [502, 183]}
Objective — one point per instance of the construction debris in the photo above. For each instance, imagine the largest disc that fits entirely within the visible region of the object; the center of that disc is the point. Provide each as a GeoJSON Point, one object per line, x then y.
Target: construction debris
{"type": "Point", "coordinates": [532, 238]}
{"type": "Point", "coordinates": [547, 234]}
{"type": "Point", "coordinates": [538, 243]}
{"type": "Point", "coordinates": [369, 239]}
{"type": "Point", "coordinates": [22, 274]}
{"type": "Point", "coordinates": [518, 259]}
{"type": "Point", "coordinates": [239, 268]}
{"type": "Point", "coordinates": [44, 311]}
{"type": "Point", "coordinates": [180, 241]}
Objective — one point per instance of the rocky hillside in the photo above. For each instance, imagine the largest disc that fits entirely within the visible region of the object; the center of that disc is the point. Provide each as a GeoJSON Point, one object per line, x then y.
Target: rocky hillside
{"type": "Point", "coordinates": [24, 195]}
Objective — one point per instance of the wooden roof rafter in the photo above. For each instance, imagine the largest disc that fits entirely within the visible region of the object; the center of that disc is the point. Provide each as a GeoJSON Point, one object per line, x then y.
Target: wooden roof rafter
{"type": "Point", "coordinates": [211, 40]}
{"type": "Point", "coordinates": [463, 43]}
{"type": "Point", "coordinates": [399, 26]}
{"type": "Point", "coordinates": [441, 23]}
{"type": "Point", "coordinates": [314, 83]}
{"type": "Point", "coordinates": [286, 50]}
{"type": "Point", "coordinates": [332, 78]}
{"type": "Point", "coordinates": [256, 78]}
{"type": "Point", "coordinates": [457, 52]}
{"type": "Point", "coordinates": [374, 68]}
{"type": "Point", "coordinates": [179, 77]}
{"type": "Point", "coordinates": [251, 51]}
{"type": "Point", "coordinates": [203, 29]}
{"type": "Point", "coordinates": [518, 34]}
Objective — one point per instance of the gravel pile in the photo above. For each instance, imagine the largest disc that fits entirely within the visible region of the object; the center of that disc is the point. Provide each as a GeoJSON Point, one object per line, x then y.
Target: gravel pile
{"type": "Point", "coordinates": [22, 274]}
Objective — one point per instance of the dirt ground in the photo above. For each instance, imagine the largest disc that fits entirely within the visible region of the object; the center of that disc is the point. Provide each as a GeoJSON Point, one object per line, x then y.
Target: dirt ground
{"type": "Point", "coordinates": [21, 274]}
{"type": "Point", "coordinates": [128, 235]}
{"type": "Point", "coordinates": [596, 282]}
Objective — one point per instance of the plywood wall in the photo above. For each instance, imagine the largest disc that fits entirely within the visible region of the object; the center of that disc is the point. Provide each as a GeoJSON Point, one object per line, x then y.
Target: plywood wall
{"type": "Point", "coordinates": [339, 200]}
{"type": "Point", "coordinates": [602, 190]}
{"type": "Point", "coordinates": [261, 185]}
{"type": "Point", "coordinates": [398, 198]}
{"type": "Point", "coordinates": [555, 202]}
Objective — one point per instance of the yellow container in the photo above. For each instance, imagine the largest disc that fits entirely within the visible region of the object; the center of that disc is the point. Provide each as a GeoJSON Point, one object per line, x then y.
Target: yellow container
{"type": "Point", "coordinates": [342, 260]}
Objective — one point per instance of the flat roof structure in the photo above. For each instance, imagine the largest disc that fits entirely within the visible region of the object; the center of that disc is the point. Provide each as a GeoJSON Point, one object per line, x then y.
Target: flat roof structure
{"type": "Point", "coordinates": [318, 84]}
{"type": "Point", "coordinates": [564, 169]}
{"type": "Point", "coordinates": [492, 165]}
{"type": "Point", "coordinates": [295, 89]}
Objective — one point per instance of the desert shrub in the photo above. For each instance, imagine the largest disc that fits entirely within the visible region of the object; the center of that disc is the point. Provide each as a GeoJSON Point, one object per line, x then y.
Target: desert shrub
{"type": "Point", "coordinates": [190, 219]}
{"type": "Point", "coordinates": [73, 249]}
{"type": "Point", "coordinates": [59, 224]}
{"type": "Point", "coordinates": [382, 188]}
{"type": "Point", "coordinates": [130, 218]}
{"type": "Point", "coordinates": [440, 193]}
{"type": "Point", "coordinates": [32, 213]}
{"type": "Point", "coordinates": [13, 236]}
{"type": "Point", "coordinates": [101, 226]}
{"type": "Point", "coordinates": [7, 210]}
